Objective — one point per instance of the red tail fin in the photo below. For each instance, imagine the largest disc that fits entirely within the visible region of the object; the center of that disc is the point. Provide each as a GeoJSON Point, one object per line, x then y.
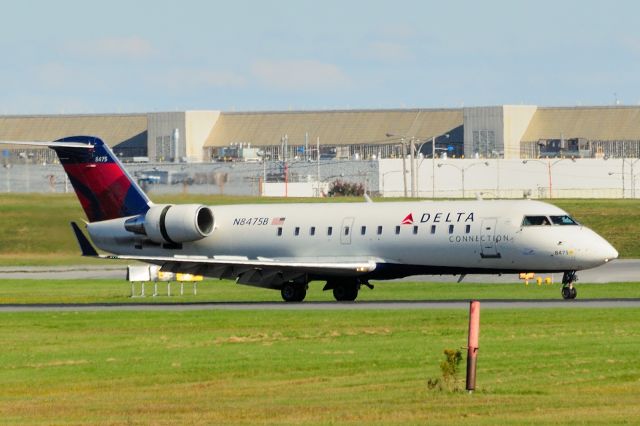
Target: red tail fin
{"type": "Point", "coordinates": [104, 188]}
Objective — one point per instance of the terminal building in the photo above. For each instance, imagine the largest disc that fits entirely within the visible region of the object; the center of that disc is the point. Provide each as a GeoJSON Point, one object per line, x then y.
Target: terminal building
{"type": "Point", "coordinates": [506, 131]}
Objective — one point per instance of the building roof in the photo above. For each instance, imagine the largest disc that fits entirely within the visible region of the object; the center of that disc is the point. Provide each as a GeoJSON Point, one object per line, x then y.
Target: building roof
{"type": "Point", "coordinates": [333, 127]}
{"type": "Point", "coordinates": [111, 128]}
{"type": "Point", "coordinates": [594, 123]}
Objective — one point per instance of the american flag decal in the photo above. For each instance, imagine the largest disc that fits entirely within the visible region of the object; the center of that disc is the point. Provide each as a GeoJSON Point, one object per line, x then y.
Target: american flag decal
{"type": "Point", "coordinates": [278, 221]}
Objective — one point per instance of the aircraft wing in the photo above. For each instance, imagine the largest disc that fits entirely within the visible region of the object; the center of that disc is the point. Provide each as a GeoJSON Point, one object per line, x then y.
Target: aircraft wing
{"type": "Point", "coordinates": [260, 272]}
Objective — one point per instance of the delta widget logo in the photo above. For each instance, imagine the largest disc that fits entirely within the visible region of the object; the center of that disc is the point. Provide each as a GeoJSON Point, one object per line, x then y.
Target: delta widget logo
{"type": "Point", "coordinates": [408, 220]}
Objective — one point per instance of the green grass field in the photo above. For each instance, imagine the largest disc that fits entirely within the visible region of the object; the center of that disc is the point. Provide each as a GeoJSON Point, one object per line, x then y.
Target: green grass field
{"type": "Point", "coordinates": [119, 291]}
{"type": "Point", "coordinates": [35, 228]}
{"type": "Point", "coordinates": [551, 366]}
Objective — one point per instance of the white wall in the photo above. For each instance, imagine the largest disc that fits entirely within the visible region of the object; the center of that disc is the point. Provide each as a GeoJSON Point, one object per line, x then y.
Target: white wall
{"type": "Point", "coordinates": [584, 178]}
{"type": "Point", "coordinates": [516, 119]}
{"type": "Point", "coordinates": [294, 189]}
{"type": "Point", "coordinates": [194, 128]}
{"type": "Point", "coordinates": [198, 125]}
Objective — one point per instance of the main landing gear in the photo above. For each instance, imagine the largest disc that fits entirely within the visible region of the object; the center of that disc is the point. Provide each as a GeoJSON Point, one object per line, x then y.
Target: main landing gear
{"type": "Point", "coordinates": [346, 290]}
{"type": "Point", "coordinates": [568, 290]}
{"type": "Point", "coordinates": [293, 291]}
{"type": "Point", "coordinates": [343, 290]}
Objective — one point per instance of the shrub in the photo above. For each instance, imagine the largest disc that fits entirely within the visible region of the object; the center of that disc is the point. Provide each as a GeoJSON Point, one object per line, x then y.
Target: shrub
{"type": "Point", "coordinates": [341, 188]}
{"type": "Point", "coordinates": [449, 369]}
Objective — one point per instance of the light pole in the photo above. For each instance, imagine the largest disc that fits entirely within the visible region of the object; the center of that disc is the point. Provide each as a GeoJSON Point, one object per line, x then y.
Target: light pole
{"type": "Point", "coordinates": [404, 166]}
{"type": "Point", "coordinates": [388, 173]}
{"type": "Point", "coordinates": [497, 156]}
{"type": "Point", "coordinates": [633, 177]}
{"type": "Point", "coordinates": [462, 170]}
{"type": "Point", "coordinates": [415, 167]}
{"type": "Point", "coordinates": [432, 139]}
{"type": "Point", "coordinates": [415, 191]}
{"type": "Point", "coordinates": [414, 181]}
{"type": "Point", "coordinates": [8, 173]}
{"type": "Point", "coordinates": [404, 162]}
{"type": "Point", "coordinates": [631, 174]}
{"type": "Point", "coordinates": [549, 165]}
{"type": "Point", "coordinates": [433, 167]}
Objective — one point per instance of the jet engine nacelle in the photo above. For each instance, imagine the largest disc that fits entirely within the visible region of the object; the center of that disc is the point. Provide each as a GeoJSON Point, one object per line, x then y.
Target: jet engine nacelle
{"type": "Point", "coordinates": [173, 223]}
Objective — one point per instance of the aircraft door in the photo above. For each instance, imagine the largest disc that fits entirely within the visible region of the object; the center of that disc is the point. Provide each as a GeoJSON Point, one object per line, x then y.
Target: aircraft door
{"type": "Point", "coordinates": [489, 249]}
{"type": "Point", "coordinates": [346, 230]}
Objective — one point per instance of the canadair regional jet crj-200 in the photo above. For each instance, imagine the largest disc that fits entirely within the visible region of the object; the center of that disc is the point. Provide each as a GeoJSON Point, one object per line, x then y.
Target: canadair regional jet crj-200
{"type": "Point", "coordinates": [286, 246]}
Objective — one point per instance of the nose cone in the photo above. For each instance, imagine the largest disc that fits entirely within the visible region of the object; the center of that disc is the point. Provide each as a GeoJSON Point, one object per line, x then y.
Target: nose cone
{"type": "Point", "coordinates": [608, 251]}
{"type": "Point", "coordinates": [600, 251]}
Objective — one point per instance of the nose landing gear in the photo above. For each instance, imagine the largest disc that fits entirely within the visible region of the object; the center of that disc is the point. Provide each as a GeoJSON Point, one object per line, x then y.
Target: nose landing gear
{"type": "Point", "coordinates": [568, 290]}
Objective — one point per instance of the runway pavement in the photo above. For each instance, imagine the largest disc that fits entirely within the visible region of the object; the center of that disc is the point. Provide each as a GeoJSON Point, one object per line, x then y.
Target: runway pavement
{"type": "Point", "coordinates": [71, 272]}
{"type": "Point", "coordinates": [624, 270]}
{"type": "Point", "coordinates": [620, 270]}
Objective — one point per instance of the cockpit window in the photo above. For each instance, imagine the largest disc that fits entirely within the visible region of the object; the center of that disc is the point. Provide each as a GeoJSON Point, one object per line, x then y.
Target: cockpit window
{"type": "Point", "coordinates": [563, 220]}
{"type": "Point", "coordinates": [535, 221]}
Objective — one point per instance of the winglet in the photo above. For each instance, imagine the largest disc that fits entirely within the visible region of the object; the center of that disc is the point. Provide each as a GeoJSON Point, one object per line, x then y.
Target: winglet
{"type": "Point", "coordinates": [85, 246]}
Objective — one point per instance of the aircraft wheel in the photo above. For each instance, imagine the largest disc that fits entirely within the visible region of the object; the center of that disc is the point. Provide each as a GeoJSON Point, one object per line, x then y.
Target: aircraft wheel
{"type": "Point", "coordinates": [292, 292]}
{"type": "Point", "coordinates": [569, 292]}
{"type": "Point", "coordinates": [346, 293]}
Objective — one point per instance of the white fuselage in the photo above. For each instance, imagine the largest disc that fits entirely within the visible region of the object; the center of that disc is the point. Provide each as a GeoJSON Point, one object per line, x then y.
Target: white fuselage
{"type": "Point", "coordinates": [405, 237]}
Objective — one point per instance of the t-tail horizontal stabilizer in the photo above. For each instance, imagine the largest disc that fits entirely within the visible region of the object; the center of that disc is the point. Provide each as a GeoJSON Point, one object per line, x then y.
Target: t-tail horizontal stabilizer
{"type": "Point", "coordinates": [85, 246]}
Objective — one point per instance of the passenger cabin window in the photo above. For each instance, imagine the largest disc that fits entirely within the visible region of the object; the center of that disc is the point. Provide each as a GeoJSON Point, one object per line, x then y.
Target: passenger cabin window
{"type": "Point", "coordinates": [346, 230]}
{"type": "Point", "coordinates": [329, 230]}
{"type": "Point", "coordinates": [415, 229]}
{"type": "Point", "coordinates": [379, 230]}
{"type": "Point", "coordinates": [363, 230]}
{"type": "Point", "coordinates": [433, 229]}
{"type": "Point", "coordinates": [467, 229]}
{"type": "Point", "coordinates": [312, 231]}
{"type": "Point", "coordinates": [563, 220]}
{"type": "Point", "coordinates": [451, 229]}
{"type": "Point", "coordinates": [296, 232]}
{"type": "Point", "coordinates": [397, 230]}
{"type": "Point", "coordinates": [279, 231]}
{"type": "Point", "coordinates": [535, 221]}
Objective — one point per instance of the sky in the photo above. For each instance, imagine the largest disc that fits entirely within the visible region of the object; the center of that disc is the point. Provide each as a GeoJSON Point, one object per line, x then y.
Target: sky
{"type": "Point", "coordinates": [73, 57]}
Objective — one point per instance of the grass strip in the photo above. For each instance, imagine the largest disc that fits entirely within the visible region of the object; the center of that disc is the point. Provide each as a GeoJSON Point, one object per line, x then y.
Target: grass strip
{"type": "Point", "coordinates": [119, 291]}
{"type": "Point", "coordinates": [316, 367]}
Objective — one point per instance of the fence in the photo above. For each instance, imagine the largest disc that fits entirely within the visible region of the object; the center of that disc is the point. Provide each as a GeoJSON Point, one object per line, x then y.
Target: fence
{"type": "Point", "coordinates": [450, 178]}
{"type": "Point", "coordinates": [496, 178]}
{"type": "Point", "coordinates": [198, 178]}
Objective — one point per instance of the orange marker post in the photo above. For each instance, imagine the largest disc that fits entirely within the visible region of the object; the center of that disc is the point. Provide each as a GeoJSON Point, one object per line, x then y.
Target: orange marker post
{"type": "Point", "coordinates": [472, 347]}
